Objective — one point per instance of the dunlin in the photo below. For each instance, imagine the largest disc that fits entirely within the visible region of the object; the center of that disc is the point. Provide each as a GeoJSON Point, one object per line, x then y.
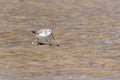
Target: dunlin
{"type": "Point", "coordinates": [42, 33]}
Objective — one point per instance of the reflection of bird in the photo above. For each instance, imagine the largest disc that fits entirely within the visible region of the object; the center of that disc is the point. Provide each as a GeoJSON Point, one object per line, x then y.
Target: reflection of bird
{"type": "Point", "coordinates": [42, 33]}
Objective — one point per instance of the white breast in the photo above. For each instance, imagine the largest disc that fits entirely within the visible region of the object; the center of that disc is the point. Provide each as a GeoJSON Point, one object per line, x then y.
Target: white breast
{"type": "Point", "coordinates": [43, 34]}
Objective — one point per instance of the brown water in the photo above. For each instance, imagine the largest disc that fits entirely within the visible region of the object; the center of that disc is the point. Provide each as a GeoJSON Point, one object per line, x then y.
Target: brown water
{"type": "Point", "coordinates": [88, 32]}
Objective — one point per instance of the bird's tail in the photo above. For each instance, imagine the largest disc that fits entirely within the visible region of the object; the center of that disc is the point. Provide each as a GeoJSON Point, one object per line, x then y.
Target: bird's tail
{"type": "Point", "coordinates": [34, 32]}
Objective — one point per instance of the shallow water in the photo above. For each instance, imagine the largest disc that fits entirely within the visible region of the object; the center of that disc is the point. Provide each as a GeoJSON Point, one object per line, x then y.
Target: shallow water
{"type": "Point", "coordinates": [88, 33]}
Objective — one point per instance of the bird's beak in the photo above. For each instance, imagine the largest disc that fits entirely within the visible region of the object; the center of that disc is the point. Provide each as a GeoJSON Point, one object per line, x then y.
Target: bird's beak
{"type": "Point", "coordinates": [52, 35]}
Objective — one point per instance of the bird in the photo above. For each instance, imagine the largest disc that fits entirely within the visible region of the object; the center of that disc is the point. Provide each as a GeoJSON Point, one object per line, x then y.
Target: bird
{"type": "Point", "coordinates": [42, 33]}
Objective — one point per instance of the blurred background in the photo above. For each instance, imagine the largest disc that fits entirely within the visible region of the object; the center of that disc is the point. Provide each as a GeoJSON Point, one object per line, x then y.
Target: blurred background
{"type": "Point", "coordinates": [88, 32]}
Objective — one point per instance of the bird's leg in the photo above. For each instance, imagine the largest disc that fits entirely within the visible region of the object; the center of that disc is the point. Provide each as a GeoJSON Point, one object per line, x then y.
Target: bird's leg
{"type": "Point", "coordinates": [37, 41]}
{"type": "Point", "coordinates": [46, 39]}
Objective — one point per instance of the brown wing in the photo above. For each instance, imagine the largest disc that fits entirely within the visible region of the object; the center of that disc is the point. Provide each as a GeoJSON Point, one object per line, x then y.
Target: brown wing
{"type": "Point", "coordinates": [39, 31]}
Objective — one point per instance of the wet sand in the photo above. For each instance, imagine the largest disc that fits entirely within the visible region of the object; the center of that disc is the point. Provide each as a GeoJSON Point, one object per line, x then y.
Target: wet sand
{"type": "Point", "coordinates": [88, 33]}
